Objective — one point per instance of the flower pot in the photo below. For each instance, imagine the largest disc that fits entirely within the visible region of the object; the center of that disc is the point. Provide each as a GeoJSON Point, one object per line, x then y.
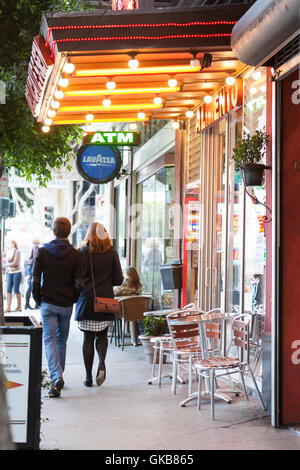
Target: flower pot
{"type": "Point", "coordinates": [148, 349]}
{"type": "Point", "coordinates": [253, 174]}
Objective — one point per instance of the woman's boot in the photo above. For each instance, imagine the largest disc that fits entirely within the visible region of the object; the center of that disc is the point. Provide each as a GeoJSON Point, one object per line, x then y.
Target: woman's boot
{"type": "Point", "coordinates": [8, 304]}
{"type": "Point", "coordinates": [19, 306]}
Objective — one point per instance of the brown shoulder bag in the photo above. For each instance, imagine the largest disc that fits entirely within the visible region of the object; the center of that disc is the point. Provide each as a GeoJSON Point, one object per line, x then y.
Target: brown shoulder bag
{"type": "Point", "coordinates": [103, 304]}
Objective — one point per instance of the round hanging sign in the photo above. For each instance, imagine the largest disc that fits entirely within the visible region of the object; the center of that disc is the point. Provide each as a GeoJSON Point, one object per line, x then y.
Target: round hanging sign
{"type": "Point", "coordinates": [98, 163]}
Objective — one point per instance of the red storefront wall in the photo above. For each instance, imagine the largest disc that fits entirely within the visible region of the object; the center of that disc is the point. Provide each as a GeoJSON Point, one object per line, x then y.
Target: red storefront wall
{"type": "Point", "coordinates": [290, 245]}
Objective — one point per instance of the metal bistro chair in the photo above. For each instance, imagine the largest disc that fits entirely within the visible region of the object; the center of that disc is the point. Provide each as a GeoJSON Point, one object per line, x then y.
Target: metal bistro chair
{"type": "Point", "coordinates": [132, 308]}
{"type": "Point", "coordinates": [229, 365]}
{"type": "Point", "coordinates": [163, 347]}
{"type": "Point", "coordinates": [185, 339]}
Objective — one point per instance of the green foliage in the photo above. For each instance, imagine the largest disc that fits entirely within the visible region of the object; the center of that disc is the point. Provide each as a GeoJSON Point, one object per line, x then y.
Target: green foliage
{"type": "Point", "coordinates": [23, 145]}
{"type": "Point", "coordinates": [251, 149]}
{"type": "Point", "coordinates": [155, 326]}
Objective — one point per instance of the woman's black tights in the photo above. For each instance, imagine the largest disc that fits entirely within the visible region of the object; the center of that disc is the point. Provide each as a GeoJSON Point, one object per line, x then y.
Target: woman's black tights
{"type": "Point", "coordinates": [94, 340]}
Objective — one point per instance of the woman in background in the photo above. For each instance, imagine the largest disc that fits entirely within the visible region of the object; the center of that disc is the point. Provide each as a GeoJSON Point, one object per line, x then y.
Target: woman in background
{"type": "Point", "coordinates": [99, 256]}
{"type": "Point", "coordinates": [14, 275]}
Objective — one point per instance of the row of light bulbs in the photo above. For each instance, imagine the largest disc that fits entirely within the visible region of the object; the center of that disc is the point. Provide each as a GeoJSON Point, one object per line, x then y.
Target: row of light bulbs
{"type": "Point", "coordinates": [133, 63]}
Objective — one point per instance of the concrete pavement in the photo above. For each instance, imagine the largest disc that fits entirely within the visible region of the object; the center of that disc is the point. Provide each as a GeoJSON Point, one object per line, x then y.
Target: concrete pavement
{"type": "Point", "coordinates": [126, 413]}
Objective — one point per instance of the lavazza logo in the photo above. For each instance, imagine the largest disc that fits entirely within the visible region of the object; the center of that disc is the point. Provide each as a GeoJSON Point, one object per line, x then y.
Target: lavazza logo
{"type": "Point", "coordinates": [98, 159]}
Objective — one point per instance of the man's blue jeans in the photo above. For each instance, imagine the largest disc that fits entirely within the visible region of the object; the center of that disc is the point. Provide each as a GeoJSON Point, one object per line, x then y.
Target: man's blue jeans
{"type": "Point", "coordinates": [56, 325]}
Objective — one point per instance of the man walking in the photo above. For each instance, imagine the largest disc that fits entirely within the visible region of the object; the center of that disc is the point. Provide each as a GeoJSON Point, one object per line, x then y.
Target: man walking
{"type": "Point", "coordinates": [58, 277]}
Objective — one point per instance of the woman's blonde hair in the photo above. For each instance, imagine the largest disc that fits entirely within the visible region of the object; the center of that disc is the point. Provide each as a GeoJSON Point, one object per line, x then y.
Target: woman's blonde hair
{"type": "Point", "coordinates": [133, 277]}
{"type": "Point", "coordinates": [97, 239]}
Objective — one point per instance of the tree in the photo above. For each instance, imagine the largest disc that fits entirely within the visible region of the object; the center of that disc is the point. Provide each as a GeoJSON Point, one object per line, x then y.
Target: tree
{"type": "Point", "coordinates": [22, 144]}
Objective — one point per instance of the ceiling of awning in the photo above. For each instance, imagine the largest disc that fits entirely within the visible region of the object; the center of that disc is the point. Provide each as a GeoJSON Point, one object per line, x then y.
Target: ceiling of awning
{"type": "Point", "coordinates": [164, 48]}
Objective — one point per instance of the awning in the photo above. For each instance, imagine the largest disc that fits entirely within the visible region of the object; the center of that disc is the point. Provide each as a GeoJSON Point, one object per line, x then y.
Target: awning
{"type": "Point", "coordinates": [267, 29]}
{"type": "Point", "coordinates": [183, 54]}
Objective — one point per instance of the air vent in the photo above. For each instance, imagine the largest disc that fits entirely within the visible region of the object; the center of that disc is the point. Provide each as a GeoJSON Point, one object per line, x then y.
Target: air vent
{"type": "Point", "coordinates": [285, 54]}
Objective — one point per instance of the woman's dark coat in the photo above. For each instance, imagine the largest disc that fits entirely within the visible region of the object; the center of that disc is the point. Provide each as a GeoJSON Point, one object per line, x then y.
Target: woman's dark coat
{"type": "Point", "coordinates": [107, 273]}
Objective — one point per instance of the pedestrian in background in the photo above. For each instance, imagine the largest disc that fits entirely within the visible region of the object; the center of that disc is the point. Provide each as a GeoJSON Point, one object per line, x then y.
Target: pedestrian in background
{"type": "Point", "coordinates": [99, 256]}
{"type": "Point", "coordinates": [57, 281]}
{"type": "Point", "coordinates": [14, 275]}
{"type": "Point", "coordinates": [29, 268]}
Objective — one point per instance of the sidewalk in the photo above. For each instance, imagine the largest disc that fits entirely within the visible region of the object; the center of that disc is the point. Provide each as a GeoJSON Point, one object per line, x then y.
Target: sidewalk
{"type": "Point", "coordinates": [126, 413]}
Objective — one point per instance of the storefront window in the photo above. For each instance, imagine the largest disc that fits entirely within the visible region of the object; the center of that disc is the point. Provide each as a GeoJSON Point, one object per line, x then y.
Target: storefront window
{"type": "Point", "coordinates": [120, 222]}
{"type": "Point", "coordinates": [255, 241]}
{"type": "Point", "coordinates": [155, 231]}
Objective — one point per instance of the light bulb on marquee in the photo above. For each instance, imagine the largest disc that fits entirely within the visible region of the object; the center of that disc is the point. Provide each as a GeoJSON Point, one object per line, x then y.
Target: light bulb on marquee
{"type": "Point", "coordinates": [106, 102]}
{"type": "Point", "coordinates": [48, 122]}
{"type": "Point", "coordinates": [59, 94]}
{"type": "Point", "coordinates": [45, 129]}
{"type": "Point", "coordinates": [51, 113]}
{"type": "Point", "coordinates": [89, 117]}
{"type": "Point", "coordinates": [110, 85]}
{"type": "Point", "coordinates": [141, 115]}
{"type": "Point", "coordinates": [63, 82]}
{"type": "Point", "coordinates": [189, 114]}
{"type": "Point", "coordinates": [207, 99]}
{"type": "Point", "coordinates": [157, 100]}
{"type": "Point", "coordinates": [172, 82]}
{"type": "Point", "coordinates": [55, 104]}
{"type": "Point", "coordinates": [69, 67]}
{"type": "Point", "coordinates": [230, 81]}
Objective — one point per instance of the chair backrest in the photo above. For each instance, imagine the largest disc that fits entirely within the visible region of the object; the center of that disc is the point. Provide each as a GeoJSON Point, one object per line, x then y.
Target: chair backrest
{"type": "Point", "coordinates": [214, 332]}
{"type": "Point", "coordinates": [133, 307]}
{"type": "Point", "coordinates": [187, 333]}
{"type": "Point", "coordinates": [240, 335]}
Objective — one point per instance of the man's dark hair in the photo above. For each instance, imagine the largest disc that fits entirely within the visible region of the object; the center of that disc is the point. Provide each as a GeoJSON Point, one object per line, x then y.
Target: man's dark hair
{"type": "Point", "coordinates": [62, 227]}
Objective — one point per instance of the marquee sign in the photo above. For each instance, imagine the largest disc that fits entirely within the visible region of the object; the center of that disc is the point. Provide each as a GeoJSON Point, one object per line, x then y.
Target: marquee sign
{"type": "Point", "coordinates": [128, 139]}
{"type": "Point", "coordinates": [39, 70]}
{"type": "Point", "coordinates": [225, 100]}
{"type": "Point", "coordinates": [98, 164]}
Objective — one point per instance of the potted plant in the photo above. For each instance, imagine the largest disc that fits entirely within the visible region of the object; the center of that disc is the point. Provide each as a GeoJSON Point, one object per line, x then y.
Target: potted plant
{"type": "Point", "coordinates": [153, 327]}
{"type": "Point", "coordinates": [247, 155]}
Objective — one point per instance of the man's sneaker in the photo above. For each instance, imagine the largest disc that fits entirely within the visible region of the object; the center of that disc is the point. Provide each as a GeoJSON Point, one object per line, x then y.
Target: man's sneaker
{"type": "Point", "coordinates": [54, 391]}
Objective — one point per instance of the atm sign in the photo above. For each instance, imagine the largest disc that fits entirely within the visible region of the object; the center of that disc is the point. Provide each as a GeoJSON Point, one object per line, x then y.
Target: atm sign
{"type": "Point", "coordinates": [129, 139]}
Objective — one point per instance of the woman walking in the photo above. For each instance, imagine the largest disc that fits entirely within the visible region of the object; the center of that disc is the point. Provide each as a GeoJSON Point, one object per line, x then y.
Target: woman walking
{"type": "Point", "coordinates": [99, 256]}
{"type": "Point", "coordinates": [14, 275]}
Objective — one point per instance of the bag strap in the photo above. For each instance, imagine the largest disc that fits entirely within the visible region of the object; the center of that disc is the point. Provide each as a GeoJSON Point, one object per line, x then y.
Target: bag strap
{"type": "Point", "coordinates": [93, 280]}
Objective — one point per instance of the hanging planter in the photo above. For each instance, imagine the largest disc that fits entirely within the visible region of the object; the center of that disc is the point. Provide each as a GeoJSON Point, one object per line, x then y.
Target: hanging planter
{"type": "Point", "coordinates": [247, 155]}
{"type": "Point", "coordinates": [253, 174]}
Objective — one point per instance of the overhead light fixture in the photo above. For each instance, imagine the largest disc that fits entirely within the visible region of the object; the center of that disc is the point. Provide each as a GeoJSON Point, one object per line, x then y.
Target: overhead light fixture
{"type": "Point", "coordinates": [256, 75]}
{"type": "Point", "coordinates": [157, 100]}
{"type": "Point", "coordinates": [59, 94]}
{"type": "Point", "coordinates": [110, 85]}
{"type": "Point", "coordinates": [63, 82]}
{"type": "Point", "coordinates": [51, 113]}
{"type": "Point", "coordinates": [194, 62]}
{"type": "Point", "coordinates": [45, 129]}
{"type": "Point", "coordinates": [141, 115]}
{"type": "Point", "coordinates": [133, 126]}
{"type": "Point", "coordinates": [112, 107]}
{"type": "Point", "coordinates": [207, 99]}
{"type": "Point", "coordinates": [106, 102]}
{"type": "Point", "coordinates": [175, 125]}
{"type": "Point", "coordinates": [89, 117]}
{"type": "Point", "coordinates": [55, 104]}
{"type": "Point", "coordinates": [103, 118]}
{"type": "Point", "coordinates": [172, 82]}
{"type": "Point", "coordinates": [48, 122]}
{"type": "Point", "coordinates": [68, 67]}
{"type": "Point", "coordinates": [123, 91]}
{"type": "Point", "coordinates": [230, 81]}
{"type": "Point", "coordinates": [189, 114]}
{"type": "Point", "coordinates": [162, 69]}
{"type": "Point", "coordinates": [206, 61]}
{"type": "Point", "coordinates": [133, 63]}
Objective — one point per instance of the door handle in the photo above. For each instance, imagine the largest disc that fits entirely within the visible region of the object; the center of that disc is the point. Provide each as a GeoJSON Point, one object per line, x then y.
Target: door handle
{"type": "Point", "coordinates": [207, 283]}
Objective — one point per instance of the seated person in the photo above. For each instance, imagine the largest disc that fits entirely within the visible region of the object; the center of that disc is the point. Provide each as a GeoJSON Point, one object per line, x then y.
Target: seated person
{"type": "Point", "coordinates": [131, 286]}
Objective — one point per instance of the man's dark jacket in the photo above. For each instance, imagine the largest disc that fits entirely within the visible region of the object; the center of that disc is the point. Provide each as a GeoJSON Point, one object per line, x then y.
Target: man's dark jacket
{"type": "Point", "coordinates": [58, 274]}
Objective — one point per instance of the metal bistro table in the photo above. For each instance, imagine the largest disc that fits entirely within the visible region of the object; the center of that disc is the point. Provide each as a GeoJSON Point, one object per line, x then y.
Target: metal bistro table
{"type": "Point", "coordinates": [158, 313]}
{"type": "Point", "coordinates": [201, 320]}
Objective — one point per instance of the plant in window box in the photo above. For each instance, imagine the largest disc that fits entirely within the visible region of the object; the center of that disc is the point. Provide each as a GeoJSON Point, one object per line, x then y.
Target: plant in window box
{"type": "Point", "coordinates": [153, 327]}
{"type": "Point", "coordinates": [248, 154]}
